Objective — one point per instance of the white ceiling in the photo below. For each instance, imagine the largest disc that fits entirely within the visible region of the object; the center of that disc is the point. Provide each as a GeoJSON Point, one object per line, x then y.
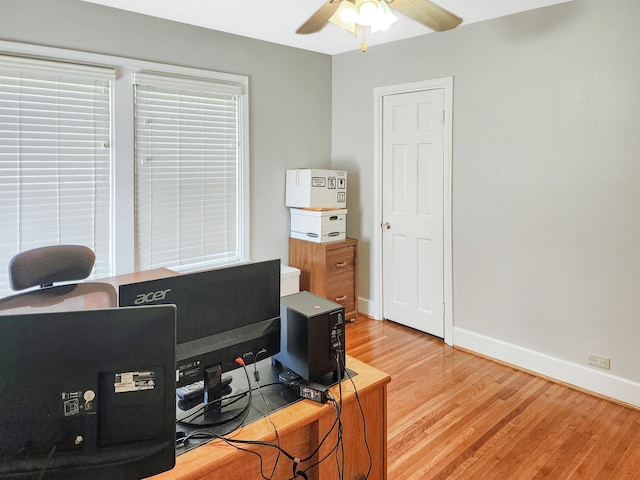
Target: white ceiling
{"type": "Point", "coordinates": [277, 20]}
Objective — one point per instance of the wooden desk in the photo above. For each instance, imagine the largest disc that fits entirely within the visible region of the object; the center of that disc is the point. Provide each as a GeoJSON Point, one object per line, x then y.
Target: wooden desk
{"type": "Point", "coordinates": [301, 428]}
{"type": "Point", "coordinates": [134, 277]}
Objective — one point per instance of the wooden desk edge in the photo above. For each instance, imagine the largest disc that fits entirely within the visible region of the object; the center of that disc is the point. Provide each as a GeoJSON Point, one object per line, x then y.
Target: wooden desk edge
{"type": "Point", "coordinates": [153, 274]}
{"type": "Point", "coordinates": [197, 462]}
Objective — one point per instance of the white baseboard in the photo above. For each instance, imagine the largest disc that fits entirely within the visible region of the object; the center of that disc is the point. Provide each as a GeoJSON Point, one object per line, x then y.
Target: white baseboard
{"type": "Point", "coordinates": [584, 377]}
{"type": "Point", "coordinates": [366, 307]}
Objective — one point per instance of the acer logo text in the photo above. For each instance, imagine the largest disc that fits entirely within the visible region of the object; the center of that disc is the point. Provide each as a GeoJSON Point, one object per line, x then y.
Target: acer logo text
{"type": "Point", "coordinates": [151, 297]}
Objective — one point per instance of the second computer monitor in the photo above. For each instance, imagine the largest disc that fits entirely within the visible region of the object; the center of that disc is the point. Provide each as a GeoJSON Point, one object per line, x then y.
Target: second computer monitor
{"type": "Point", "coordinates": [223, 315]}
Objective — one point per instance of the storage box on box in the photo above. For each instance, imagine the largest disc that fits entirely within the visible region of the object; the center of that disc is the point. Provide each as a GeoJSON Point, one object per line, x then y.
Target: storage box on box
{"type": "Point", "coordinates": [313, 188]}
{"type": "Point", "coordinates": [319, 226]}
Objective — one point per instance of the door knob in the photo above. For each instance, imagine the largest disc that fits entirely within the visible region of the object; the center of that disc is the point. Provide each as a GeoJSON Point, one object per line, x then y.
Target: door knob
{"type": "Point", "coordinates": [386, 226]}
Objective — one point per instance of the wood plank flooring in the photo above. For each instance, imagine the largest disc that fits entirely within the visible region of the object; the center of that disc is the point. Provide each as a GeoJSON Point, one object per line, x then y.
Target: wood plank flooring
{"type": "Point", "coordinates": [454, 415]}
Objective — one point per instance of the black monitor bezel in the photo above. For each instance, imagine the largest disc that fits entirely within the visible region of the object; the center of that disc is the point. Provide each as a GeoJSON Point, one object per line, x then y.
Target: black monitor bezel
{"type": "Point", "coordinates": [57, 349]}
{"type": "Point", "coordinates": [228, 337]}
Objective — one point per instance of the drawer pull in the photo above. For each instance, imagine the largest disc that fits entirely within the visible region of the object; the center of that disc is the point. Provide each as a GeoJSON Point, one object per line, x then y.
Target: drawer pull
{"type": "Point", "coordinates": [341, 264]}
{"type": "Point", "coordinates": [341, 299]}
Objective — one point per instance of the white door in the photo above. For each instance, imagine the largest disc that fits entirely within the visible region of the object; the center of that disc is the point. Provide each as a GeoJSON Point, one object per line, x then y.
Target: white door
{"type": "Point", "coordinates": [412, 209]}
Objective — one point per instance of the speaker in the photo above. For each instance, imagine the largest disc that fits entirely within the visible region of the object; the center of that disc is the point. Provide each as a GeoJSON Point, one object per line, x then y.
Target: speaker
{"type": "Point", "coordinates": [312, 337]}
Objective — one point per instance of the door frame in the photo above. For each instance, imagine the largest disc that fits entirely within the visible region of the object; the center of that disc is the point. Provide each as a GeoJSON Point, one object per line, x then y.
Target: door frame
{"type": "Point", "coordinates": [445, 83]}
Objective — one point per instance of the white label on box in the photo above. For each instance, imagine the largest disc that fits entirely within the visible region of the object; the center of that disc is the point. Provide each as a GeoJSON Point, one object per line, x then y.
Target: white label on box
{"type": "Point", "coordinates": [318, 182]}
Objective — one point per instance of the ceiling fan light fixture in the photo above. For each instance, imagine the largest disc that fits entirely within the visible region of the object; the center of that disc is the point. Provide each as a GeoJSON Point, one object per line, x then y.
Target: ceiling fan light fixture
{"type": "Point", "coordinates": [386, 19]}
{"type": "Point", "coordinates": [365, 13]}
{"type": "Point", "coordinates": [369, 12]}
{"type": "Point", "coordinates": [376, 14]}
{"type": "Point", "coordinates": [346, 17]}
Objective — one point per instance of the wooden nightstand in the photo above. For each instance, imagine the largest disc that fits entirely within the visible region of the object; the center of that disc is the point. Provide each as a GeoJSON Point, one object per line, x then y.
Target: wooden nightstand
{"type": "Point", "coordinates": [328, 270]}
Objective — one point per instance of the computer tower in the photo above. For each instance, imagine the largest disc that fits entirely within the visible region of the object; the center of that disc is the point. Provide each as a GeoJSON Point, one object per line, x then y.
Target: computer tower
{"type": "Point", "coordinates": [312, 335]}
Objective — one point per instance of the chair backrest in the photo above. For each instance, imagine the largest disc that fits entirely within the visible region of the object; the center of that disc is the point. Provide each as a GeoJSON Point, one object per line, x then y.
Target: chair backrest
{"type": "Point", "coordinates": [45, 266]}
{"type": "Point", "coordinates": [48, 265]}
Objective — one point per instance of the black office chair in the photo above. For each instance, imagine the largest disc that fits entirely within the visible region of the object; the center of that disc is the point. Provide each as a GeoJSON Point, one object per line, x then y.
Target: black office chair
{"type": "Point", "coordinates": [42, 267]}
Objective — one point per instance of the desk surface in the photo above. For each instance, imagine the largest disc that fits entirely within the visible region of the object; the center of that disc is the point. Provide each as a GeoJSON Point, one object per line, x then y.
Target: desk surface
{"type": "Point", "coordinates": [134, 277]}
{"type": "Point", "coordinates": [301, 428]}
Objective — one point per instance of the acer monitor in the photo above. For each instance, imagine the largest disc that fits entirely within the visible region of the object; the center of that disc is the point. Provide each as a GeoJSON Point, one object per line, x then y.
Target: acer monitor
{"type": "Point", "coordinates": [223, 315]}
{"type": "Point", "coordinates": [87, 394]}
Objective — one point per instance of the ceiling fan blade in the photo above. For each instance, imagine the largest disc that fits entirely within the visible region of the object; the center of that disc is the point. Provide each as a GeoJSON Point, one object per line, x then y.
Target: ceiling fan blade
{"type": "Point", "coordinates": [427, 13]}
{"type": "Point", "coordinates": [319, 19]}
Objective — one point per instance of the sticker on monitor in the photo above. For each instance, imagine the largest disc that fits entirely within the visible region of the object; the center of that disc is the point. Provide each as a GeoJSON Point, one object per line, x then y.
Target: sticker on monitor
{"type": "Point", "coordinates": [78, 402]}
{"type": "Point", "coordinates": [134, 381]}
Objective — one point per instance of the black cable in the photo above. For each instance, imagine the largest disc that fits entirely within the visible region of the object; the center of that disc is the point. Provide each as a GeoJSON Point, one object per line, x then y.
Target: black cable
{"type": "Point", "coordinates": [234, 398]}
{"type": "Point", "coordinates": [364, 423]}
{"type": "Point", "coordinates": [297, 461]}
{"type": "Point", "coordinates": [205, 433]}
{"type": "Point", "coordinates": [46, 465]}
{"type": "Point", "coordinates": [326, 436]}
{"type": "Point", "coordinates": [244, 413]}
{"type": "Point", "coordinates": [247, 408]}
{"type": "Point", "coordinates": [231, 443]}
{"type": "Point", "coordinates": [337, 404]}
{"type": "Point", "coordinates": [202, 407]}
{"type": "Point", "coordinates": [298, 473]}
{"type": "Point", "coordinates": [340, 439]}
{"type": "Point", "coordinates": [275, 429]}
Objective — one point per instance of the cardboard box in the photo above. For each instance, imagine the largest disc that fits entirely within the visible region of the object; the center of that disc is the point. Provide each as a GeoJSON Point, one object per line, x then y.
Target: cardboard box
{"type": "Point", "coordinates": [319, 226]}
{"type": "Point", "coordinates": [312, 188]}
{"type": "Point", "coordinates": [289, 280]}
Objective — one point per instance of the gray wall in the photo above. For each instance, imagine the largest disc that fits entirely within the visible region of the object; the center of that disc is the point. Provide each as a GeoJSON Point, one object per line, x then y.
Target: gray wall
{"type": "Point", "coordinates": [545, 180]}
{"type": "Point", "coordinates": [546, 174]}
{"type": "Point", "coordinates": [290, 89]}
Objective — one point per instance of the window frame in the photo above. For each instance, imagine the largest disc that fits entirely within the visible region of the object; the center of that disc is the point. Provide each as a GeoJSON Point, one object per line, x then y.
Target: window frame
{"type": "Point", "coordinates": [57, 159]}
{"type": "Point", "coordinates": [184, 125]}
{"type": "Point", "coordinates": [123, 140]}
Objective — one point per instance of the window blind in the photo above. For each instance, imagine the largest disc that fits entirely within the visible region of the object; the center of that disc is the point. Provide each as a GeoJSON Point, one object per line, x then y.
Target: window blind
{"type": "Point", "coordinates": [55, 161]}
{"type": "Point", "coordinates": [187, 172]}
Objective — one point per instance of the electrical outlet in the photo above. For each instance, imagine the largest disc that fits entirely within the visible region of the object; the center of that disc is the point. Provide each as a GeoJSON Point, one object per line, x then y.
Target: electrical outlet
{"type": "Point", "coordinates": [600, 362]}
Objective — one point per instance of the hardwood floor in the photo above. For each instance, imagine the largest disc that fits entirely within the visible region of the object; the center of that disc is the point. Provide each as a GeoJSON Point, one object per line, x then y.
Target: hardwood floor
{"type": "Point", "coordinates": [454, 415]}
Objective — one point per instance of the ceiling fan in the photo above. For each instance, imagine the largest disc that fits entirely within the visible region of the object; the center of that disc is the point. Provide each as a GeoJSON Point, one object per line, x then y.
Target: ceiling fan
{"type": "Point", "coordinates": [423, 11]}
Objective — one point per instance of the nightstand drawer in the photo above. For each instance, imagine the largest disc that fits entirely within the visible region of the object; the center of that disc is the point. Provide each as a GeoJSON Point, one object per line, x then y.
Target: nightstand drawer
{"type": "Point", "coordinates": [344, 294]}
{"type": "Point", "coordinates": [341, 264]}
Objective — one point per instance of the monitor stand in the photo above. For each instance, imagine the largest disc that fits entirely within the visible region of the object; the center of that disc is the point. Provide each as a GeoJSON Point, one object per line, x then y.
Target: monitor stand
{"type": "Point", "coordinates": [206, 409]}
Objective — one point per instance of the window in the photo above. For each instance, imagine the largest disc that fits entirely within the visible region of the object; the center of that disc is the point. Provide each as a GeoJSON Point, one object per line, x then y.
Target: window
{"type": "Point", "coordinates": [55, 165]}
{"type": "Point", "coordinates": [187, 172]}
{"type": "Point", "coordinates": [146, 164]}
